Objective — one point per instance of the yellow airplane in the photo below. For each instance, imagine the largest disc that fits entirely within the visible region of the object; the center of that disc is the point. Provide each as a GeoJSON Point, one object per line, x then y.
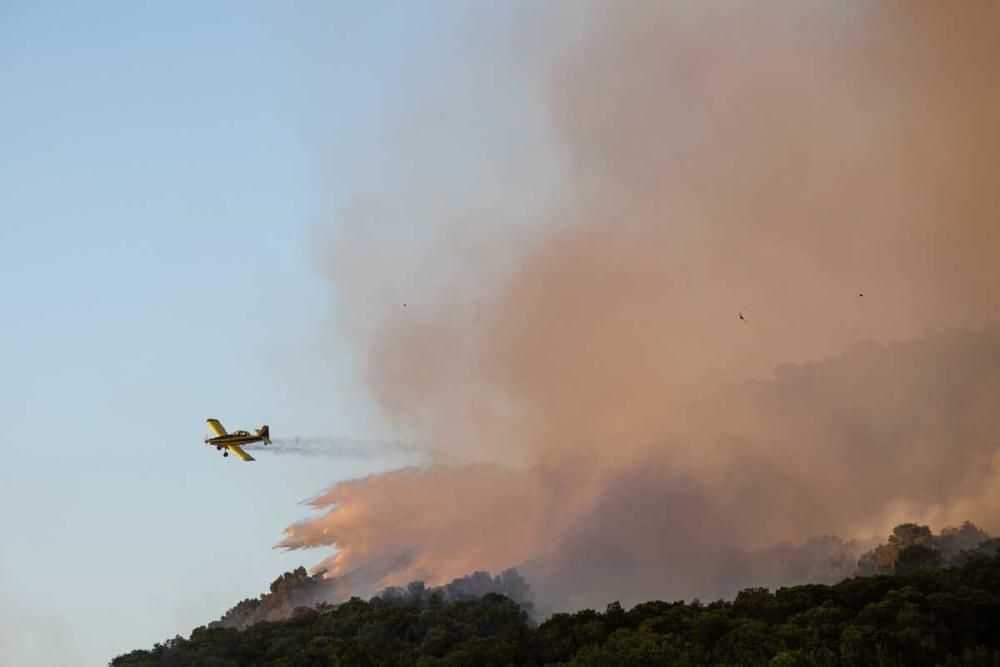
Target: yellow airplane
{"type": "Point", "coordinates": [230, 442]}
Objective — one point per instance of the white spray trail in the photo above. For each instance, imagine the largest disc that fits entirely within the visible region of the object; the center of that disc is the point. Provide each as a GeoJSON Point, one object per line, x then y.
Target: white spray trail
{"type": "Point", "coordinates": [343, 448]}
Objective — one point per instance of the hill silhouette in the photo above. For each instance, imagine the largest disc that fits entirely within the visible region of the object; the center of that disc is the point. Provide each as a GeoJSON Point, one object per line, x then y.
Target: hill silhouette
{"type": "Point", "coordinates": [939, 606]}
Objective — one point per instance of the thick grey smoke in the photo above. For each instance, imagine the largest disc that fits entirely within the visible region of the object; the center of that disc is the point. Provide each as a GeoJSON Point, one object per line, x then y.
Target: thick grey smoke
{"type": "Point", "coordinates": [780, 161]}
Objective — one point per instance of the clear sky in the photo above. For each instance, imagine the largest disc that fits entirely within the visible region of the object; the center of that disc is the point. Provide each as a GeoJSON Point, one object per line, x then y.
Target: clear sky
{"type": "Point", "coordinates": [162, 167]}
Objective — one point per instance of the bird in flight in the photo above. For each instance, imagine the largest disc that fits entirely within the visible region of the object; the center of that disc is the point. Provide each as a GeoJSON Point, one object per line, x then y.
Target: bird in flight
{"type": "Point", "coordinates": [741, 316]}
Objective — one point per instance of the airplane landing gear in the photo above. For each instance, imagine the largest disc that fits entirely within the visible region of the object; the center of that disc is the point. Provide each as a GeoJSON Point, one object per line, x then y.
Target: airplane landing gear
{"type": "Point", "coordinates": [225, 453]}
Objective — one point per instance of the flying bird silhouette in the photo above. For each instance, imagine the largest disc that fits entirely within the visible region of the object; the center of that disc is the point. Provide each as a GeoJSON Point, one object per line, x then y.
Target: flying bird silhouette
{"type": "Point", "coordinates": [741, 316]}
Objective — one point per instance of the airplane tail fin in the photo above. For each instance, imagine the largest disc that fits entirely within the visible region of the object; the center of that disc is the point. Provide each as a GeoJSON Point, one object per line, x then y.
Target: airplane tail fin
{"type": "Point", "coordinates": [265, 434]}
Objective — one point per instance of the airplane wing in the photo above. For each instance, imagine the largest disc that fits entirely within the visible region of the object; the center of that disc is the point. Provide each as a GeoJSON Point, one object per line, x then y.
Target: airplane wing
{"type": "Point", "coordinates": [236, 449]}
{"type": "Point", "coordinates": [216, 426]}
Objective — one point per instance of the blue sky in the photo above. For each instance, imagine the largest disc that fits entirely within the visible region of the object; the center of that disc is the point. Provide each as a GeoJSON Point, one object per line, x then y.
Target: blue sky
{"type": "Point", "coordinates": [163, 167]}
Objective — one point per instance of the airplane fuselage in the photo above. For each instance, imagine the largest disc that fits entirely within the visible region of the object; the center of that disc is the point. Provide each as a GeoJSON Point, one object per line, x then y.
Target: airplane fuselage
{"type": "Point", "coordinates": [237, 438]}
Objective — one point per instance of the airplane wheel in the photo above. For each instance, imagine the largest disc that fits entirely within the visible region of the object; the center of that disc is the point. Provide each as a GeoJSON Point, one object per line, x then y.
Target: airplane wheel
{"type": "Point", "coordinates": [225, 453]}
{"type": "Point", "coordinates": [218, 449]}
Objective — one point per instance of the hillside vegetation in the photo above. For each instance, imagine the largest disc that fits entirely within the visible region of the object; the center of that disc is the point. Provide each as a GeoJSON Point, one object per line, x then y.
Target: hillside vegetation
{"type": "Point", "coordinates": [917, 616]}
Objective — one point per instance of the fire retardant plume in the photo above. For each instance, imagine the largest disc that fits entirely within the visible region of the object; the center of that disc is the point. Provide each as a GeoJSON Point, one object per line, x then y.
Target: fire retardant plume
{"type": "Point", "coordinates": [628, 435]}
{"type": "Point", "coordinates": [339, 448]}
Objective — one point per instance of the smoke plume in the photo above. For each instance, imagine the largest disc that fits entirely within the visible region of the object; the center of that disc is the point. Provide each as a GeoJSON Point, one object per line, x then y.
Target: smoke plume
{"type": "Point", "coordinates": [829, 170]}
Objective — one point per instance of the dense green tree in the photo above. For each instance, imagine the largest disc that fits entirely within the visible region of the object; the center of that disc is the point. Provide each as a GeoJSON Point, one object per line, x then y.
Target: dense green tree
{"type": "Point", "coordinates": [922, 615]}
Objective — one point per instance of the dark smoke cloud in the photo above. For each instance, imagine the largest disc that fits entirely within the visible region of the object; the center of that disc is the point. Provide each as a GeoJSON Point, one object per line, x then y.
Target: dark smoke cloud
{"type": "Point", "coordinates": [778, 161]}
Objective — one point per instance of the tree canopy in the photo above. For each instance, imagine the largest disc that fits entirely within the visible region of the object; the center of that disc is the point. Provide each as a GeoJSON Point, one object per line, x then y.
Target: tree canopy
{"type": "Point", "coordinates": [920, 615]}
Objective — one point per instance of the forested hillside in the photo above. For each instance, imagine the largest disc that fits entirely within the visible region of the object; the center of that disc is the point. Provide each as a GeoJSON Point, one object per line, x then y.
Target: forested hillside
{"type": "Point", "coordinates": [923, 616]}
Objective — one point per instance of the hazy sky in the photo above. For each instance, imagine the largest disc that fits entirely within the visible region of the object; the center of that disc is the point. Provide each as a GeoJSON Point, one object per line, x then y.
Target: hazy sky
{"type": "Point", "coordinates": [164, 169]}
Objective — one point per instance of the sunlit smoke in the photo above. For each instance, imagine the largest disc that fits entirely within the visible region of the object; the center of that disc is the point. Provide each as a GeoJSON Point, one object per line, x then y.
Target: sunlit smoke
{"type": "Point", "coordinates": [777, 161]}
